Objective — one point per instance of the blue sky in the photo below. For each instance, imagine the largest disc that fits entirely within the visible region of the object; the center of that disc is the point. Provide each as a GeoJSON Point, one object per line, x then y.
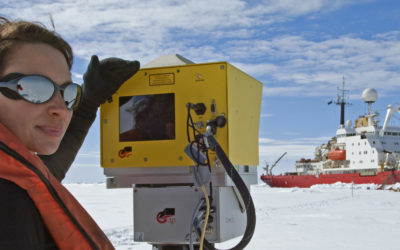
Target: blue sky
{"type": "Point", "coordinates": [299, 50]}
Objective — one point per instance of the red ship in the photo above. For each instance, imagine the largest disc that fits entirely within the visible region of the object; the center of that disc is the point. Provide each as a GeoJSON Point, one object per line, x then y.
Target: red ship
{"type": "Point", "coordinates": [306, 181]}
{"type": "Point", "coordinates": [364, 153]}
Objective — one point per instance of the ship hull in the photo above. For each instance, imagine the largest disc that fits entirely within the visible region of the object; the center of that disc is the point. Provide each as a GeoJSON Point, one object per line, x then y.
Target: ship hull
{"type": "Point", "coordinates": [305, 181]}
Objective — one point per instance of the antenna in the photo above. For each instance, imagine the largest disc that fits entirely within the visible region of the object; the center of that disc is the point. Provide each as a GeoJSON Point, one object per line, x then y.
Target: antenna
{"type": "Point", "coordinates": [341, 100]}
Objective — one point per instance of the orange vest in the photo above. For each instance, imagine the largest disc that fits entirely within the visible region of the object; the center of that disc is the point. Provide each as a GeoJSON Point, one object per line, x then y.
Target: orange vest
{"type": "Point", "coordinates": [67, 221]}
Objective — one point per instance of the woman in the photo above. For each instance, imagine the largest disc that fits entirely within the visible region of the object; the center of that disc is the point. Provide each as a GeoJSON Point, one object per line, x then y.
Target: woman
{"type": "Point", "coordinates": [42, 113]}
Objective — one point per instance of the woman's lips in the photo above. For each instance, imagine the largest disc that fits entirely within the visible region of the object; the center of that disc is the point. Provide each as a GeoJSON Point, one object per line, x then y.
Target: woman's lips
{"type": "Point", "coordinates": [51, 131]}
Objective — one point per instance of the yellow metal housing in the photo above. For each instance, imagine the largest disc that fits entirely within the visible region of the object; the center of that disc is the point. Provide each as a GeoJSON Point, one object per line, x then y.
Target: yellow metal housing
{"type": "Point", "coordinates": [236, 95]}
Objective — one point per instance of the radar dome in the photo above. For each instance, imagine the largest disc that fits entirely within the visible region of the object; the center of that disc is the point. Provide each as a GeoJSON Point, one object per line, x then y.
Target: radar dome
{"type": "Point", "coordinates": [369, 95]}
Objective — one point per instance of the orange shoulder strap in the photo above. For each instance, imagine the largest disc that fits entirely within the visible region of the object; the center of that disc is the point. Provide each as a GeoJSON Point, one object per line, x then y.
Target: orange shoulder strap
{"type": "Point", "coordinates": [67, 221]}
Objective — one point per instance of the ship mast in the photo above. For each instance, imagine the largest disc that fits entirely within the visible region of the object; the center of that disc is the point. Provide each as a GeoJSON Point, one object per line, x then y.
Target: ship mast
{"type": "Point", "coordinates": [341, 100]}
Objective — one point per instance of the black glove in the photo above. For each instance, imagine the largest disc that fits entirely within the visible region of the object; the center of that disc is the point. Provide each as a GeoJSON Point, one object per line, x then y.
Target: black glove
{"type": "Point", "coordinates": [101, 80]}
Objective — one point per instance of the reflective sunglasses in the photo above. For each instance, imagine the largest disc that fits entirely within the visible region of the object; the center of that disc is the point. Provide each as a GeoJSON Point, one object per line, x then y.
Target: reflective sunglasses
{"type": "Point", "coordinates": [39, 89]}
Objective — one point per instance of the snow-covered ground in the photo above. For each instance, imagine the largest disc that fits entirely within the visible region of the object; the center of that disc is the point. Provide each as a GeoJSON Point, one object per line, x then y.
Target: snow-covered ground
{"type": "Point", "coordinates": [338, 216]}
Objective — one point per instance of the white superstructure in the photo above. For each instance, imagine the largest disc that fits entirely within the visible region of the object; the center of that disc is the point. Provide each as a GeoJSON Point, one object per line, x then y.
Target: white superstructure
{"type": "Point", "coordinates": [364, 148]}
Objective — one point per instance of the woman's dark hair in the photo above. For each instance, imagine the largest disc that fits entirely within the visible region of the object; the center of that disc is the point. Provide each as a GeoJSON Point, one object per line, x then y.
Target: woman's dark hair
{"type": "Point", "coordinates": [13, 33]}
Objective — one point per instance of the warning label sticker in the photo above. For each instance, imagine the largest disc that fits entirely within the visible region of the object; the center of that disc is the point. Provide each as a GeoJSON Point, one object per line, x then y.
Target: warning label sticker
{"type": "Point", "coordinates": [162, 79]}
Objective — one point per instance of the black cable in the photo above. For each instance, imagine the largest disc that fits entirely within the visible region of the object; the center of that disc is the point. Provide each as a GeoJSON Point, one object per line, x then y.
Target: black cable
{"type": "Point", "coordinates": [188, 125]}
{"type": "Point", "coordinates": [232, 173]}
{"type": "Point", "coordinates": [209, 168]}
{"type": "Point", "coordinates": [244, 193]}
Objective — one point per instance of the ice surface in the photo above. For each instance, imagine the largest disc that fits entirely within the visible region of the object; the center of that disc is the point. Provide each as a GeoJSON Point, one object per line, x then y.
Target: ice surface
{"type": "Point", "coordinates": [337, 216]}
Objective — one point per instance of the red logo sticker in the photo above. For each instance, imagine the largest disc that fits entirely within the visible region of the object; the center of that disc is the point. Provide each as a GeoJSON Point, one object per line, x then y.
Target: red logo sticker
{"type": "Point", "coordinates": [125, 152]}
{"type": "Point", "coordinates": [168, 215]}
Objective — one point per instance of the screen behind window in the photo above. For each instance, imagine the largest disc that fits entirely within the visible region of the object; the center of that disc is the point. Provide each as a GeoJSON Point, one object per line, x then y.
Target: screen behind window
{"type": "Point", "coordinates": [147, 117]}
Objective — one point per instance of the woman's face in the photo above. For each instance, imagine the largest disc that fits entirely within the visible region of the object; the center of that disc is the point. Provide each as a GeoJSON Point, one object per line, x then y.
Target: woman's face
{"type": "Point", "coordinates": [40, 127]}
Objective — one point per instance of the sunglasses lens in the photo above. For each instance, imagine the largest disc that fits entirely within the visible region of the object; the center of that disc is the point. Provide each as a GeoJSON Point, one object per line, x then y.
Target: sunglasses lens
{"type": "Point", "coordinates": [35, 89]}
{"type": "Point", "coordinates": [39, 89]}
{"type": "Point", "coordinates": [72, 95]}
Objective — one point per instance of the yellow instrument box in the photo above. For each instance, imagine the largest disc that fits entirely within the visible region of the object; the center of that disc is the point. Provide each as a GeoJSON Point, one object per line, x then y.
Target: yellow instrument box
{"type": "Point", "coordinates": [145, 123]}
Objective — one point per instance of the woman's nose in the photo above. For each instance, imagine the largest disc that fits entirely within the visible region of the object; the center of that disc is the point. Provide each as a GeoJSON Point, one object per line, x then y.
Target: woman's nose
{"type": "Point", "coordinates": [57, 106]}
